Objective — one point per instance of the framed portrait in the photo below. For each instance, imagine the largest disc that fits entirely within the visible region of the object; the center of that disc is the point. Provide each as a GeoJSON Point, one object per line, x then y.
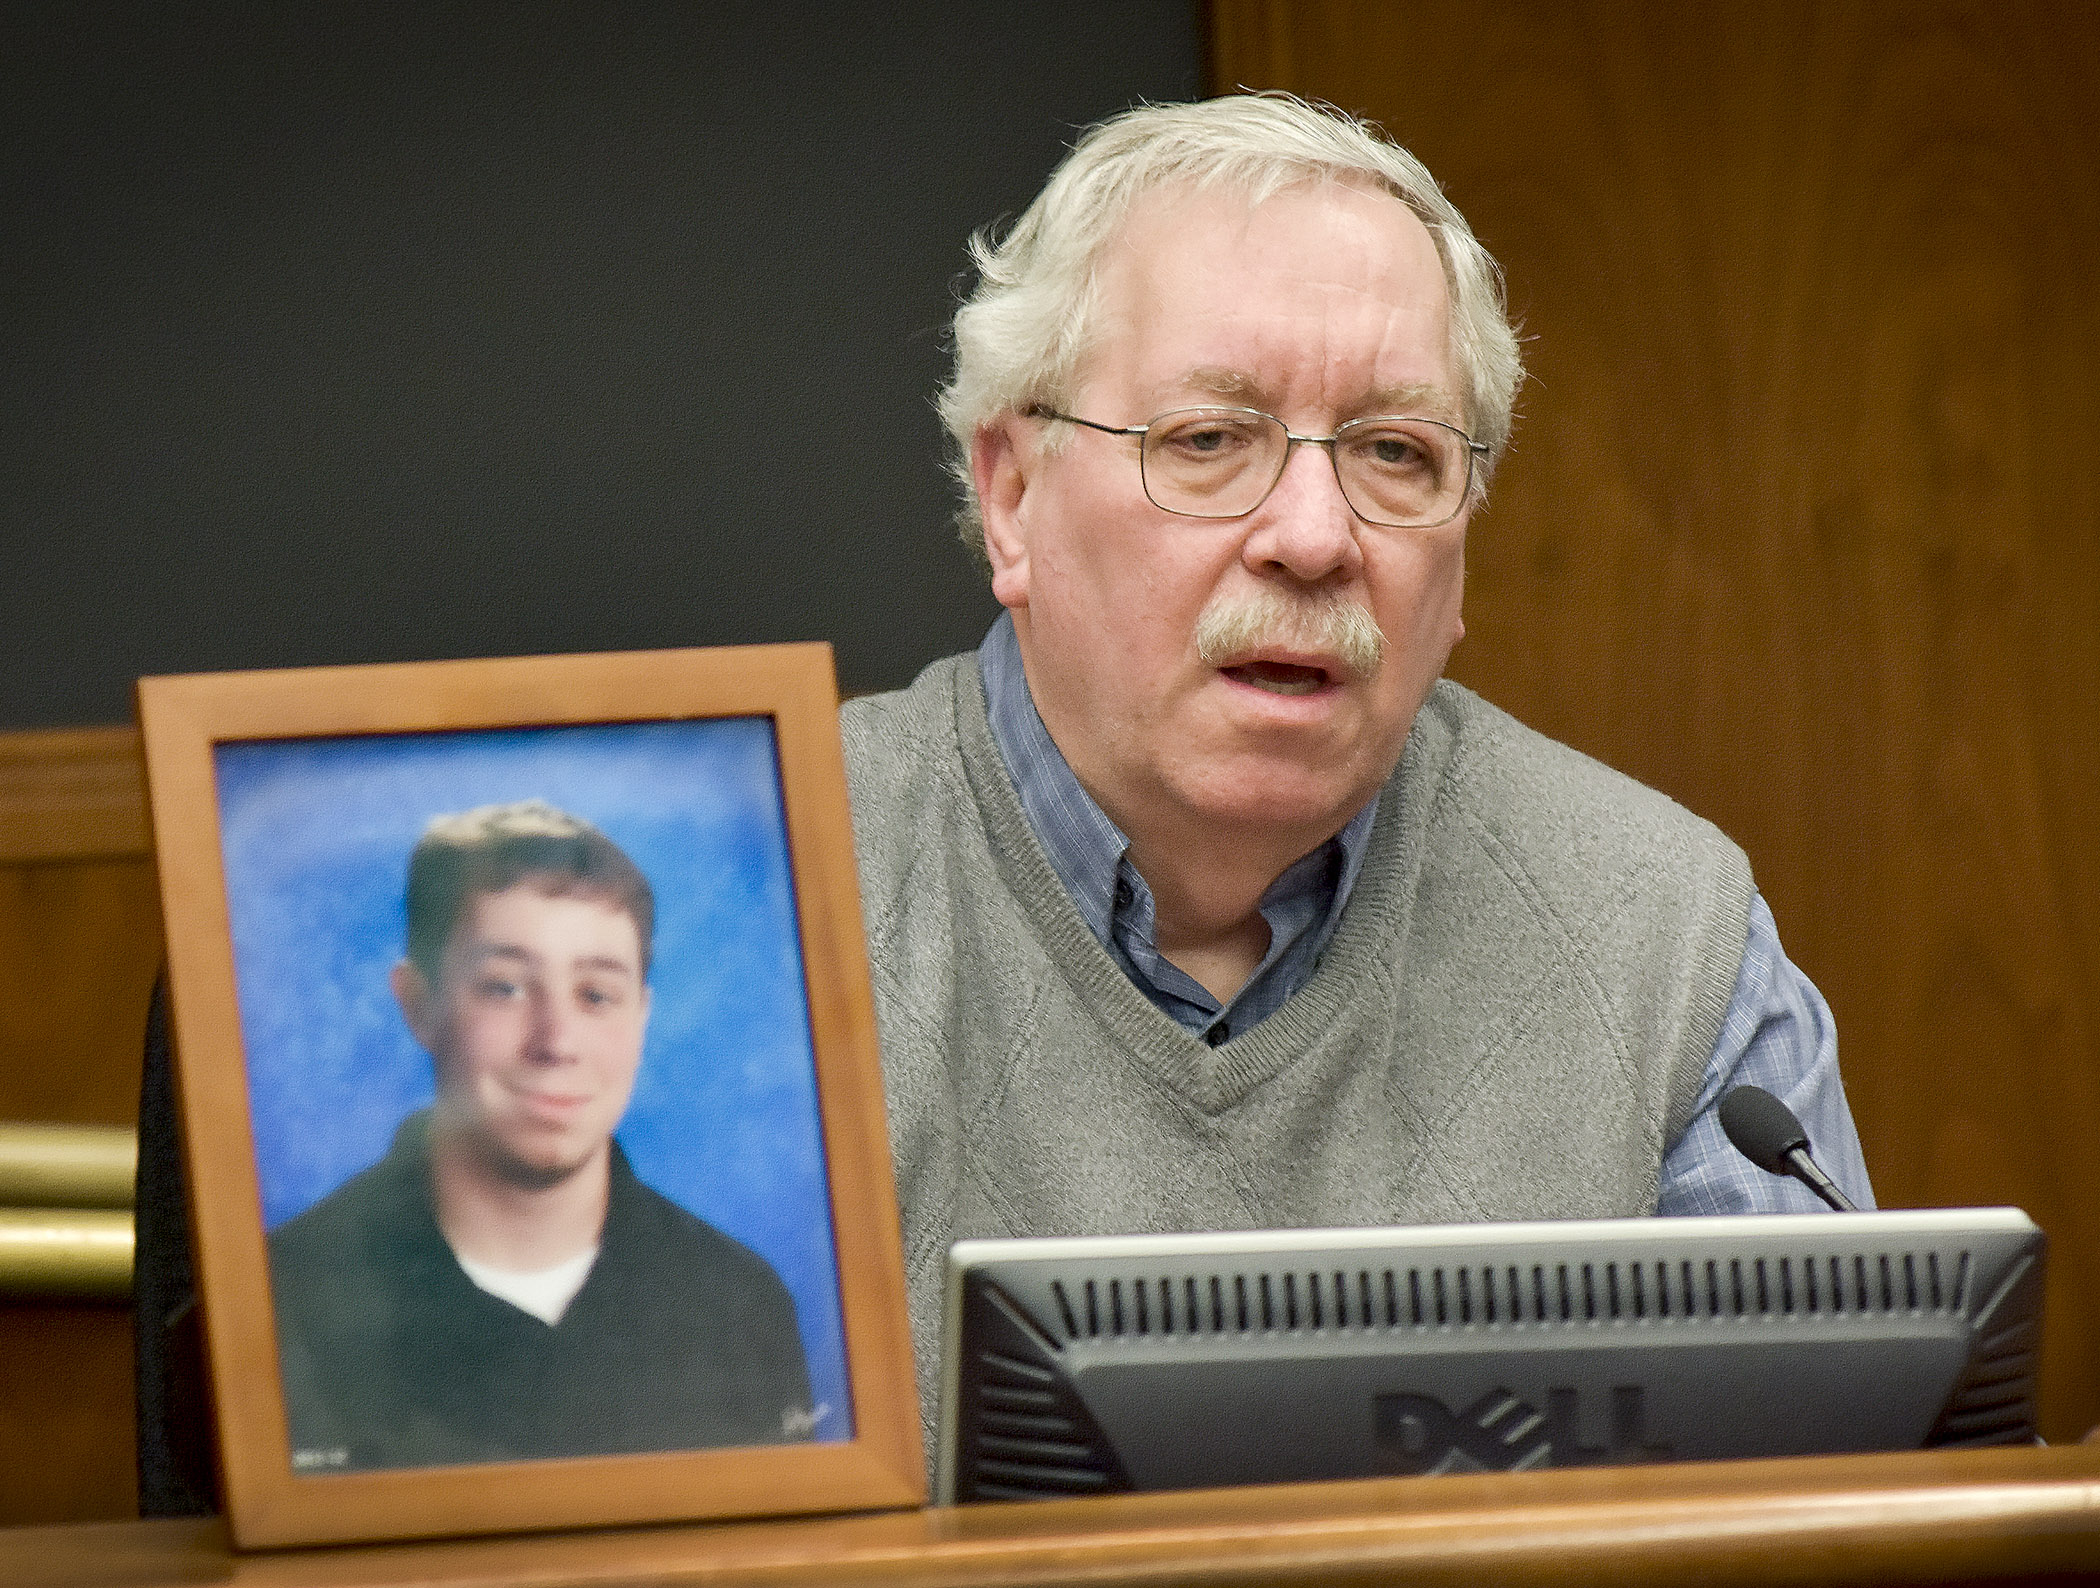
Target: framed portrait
{"type": "Point", "coordinates": [529, 1094]}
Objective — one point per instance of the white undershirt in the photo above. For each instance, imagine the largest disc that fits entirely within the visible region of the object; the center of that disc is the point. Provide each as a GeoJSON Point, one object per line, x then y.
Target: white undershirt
{"type": "Point", "coordinates": [543, 1292]}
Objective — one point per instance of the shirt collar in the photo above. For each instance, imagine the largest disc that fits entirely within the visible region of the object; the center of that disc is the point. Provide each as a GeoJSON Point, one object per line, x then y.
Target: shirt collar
{"type": "Point", "coordinates": [1084, 847]}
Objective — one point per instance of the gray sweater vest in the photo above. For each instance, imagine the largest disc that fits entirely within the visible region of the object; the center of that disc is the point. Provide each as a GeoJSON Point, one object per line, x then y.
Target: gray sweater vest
{"type": "Point", "coordinates": [1511, 1021]}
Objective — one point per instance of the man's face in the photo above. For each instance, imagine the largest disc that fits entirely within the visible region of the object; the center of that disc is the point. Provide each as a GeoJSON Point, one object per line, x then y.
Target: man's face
{"type": "Point", "coordinates": [1322, 305]}
{"type": "Point", "coordinates": [536, 1027]}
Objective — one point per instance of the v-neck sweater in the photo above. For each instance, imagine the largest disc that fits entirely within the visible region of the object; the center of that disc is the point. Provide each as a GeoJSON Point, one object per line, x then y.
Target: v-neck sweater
{"type": "Point", "coordinates": [1512, 1019]}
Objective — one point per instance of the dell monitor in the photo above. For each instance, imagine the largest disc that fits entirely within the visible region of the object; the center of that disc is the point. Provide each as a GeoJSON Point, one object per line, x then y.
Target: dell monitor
{"type": "Point", "coordinates": [1096, 1365]}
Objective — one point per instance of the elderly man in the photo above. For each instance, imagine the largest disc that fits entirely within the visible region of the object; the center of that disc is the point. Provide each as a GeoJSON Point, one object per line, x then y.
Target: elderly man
{"type": "Point", "coordinates": [1195, 900]}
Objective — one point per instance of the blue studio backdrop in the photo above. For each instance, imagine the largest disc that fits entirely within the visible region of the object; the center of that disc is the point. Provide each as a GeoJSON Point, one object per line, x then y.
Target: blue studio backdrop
{"type": "Point", "coordinates": [316, 835]}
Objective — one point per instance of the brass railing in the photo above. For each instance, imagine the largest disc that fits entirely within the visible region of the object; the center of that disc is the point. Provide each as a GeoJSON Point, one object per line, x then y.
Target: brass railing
{"type": "Point", "coordinates": [65, 1211]}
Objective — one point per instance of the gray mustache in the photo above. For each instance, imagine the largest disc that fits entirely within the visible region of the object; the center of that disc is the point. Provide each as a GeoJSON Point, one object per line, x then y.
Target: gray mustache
{"type": "Point", "coordinates": [1234, 627]}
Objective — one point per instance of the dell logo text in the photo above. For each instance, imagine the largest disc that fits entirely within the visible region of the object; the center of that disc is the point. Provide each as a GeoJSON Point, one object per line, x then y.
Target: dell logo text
{"type": "Point", "coordinates": [1500, 1432]}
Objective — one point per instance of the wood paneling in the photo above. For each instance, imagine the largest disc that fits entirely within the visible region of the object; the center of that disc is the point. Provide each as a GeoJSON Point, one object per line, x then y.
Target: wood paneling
{"type": "Point", "coordinates": [71, 794]}
{"type": "Point", "coordinates": [67, 1426]}
{"type": "Point", "coordinates": [1800, 522]}
{"type": "Point", "coordinates": [79, 948]}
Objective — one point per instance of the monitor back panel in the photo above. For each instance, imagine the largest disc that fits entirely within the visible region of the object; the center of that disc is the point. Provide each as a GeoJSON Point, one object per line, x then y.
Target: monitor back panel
{"type": "Point", "coordinates": [1091, 1366]}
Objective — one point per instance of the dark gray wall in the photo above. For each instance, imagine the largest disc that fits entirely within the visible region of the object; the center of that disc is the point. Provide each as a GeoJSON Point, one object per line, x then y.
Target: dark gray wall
{"type": "Point", "coordinates": [356, 333]}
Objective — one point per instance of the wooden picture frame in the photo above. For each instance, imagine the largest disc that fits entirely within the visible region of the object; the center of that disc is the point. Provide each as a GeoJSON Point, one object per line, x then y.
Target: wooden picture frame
{"type": "Point", "coordinates": [228, 755]}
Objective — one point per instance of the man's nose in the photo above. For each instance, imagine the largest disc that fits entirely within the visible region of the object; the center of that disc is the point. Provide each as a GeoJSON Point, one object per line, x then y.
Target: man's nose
{"type": "Point", "coordinates": [1306, 528]}
{"type": "Point", "coordinates": [555, 1028]}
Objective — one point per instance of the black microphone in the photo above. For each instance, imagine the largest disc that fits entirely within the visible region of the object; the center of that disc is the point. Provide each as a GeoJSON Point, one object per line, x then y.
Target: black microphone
{"type": "Point", "coordinates": [1766, 1132]}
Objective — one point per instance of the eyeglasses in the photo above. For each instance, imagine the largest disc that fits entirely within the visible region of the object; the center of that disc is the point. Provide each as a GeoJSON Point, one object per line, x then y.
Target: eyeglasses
{"type": "Point", "coordinates": [1401, 472]}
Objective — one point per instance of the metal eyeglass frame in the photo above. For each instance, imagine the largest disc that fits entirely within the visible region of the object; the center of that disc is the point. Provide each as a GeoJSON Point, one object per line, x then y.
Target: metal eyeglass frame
{"type": "Point", "coordinates": [1474, 449]}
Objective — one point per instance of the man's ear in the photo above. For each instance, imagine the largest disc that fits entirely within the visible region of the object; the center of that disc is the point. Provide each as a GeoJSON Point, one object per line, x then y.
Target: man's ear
{"type": "Point", "coordinates": [1001, 459]}
{"type": "Point", "coordinates": [413, 993]}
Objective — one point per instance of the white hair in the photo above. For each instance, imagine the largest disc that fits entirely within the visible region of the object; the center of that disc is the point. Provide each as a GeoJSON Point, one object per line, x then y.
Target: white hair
{"type": "Point", "coordinates": [1020, 337]}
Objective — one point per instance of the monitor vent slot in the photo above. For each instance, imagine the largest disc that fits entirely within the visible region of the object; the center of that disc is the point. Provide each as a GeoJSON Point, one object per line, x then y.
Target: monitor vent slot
{"type": "Point", "coordinates": [1994, 1402]}
{"type": "Point", "coordinates": [1025, 1444]}
{"type": "Point", "coordinates": [1023, 1434]}
{"type": "Point", "coordinates": [1431, 1296]}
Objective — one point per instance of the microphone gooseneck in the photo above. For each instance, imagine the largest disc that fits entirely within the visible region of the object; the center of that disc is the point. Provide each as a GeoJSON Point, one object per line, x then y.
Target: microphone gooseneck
{"type": "Point", "coordinates": [1764, 1130]}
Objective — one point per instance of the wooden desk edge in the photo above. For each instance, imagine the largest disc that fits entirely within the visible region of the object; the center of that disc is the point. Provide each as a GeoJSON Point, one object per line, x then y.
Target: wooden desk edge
{"type": "Point", "coordinates": [1932, 1516]}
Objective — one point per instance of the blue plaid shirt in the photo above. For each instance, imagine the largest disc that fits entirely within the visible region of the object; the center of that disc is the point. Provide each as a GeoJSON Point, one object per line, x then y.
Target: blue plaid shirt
{"type": "Point", "coordinates": [1778, 1033]}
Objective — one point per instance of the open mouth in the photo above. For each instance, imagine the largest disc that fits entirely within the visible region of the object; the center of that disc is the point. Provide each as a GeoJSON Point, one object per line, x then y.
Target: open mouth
{"type": "Point", "coordinates": [1280, 678]}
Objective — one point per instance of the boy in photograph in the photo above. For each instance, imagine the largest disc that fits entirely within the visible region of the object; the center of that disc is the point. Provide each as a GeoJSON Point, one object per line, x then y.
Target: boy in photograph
{"type": "Point", "coordinates": [501, 1286]}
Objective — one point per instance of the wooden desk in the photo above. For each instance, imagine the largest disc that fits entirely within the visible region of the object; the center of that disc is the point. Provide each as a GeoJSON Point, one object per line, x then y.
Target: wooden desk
{"type": "Point", "coordinates": [1971, 1516]}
